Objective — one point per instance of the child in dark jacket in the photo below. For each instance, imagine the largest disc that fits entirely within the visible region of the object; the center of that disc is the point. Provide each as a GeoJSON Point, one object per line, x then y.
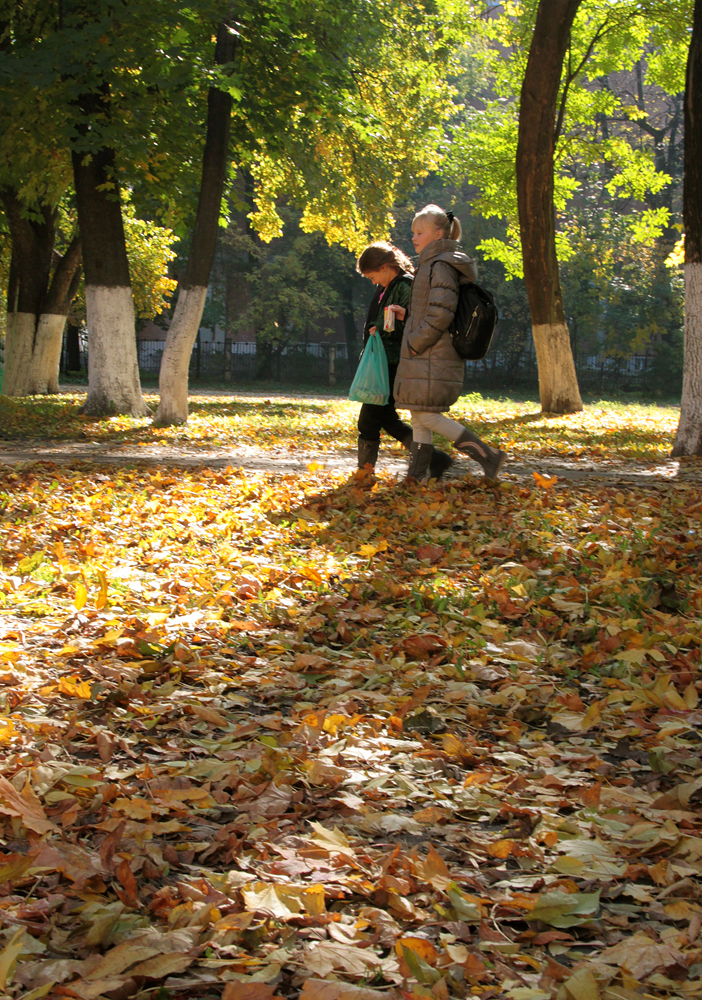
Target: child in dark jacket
{"type": "Point", "coordinates": [388, 269]}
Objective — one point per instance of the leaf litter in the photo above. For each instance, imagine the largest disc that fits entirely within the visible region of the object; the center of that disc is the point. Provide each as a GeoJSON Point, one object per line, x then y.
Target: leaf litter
{"type": "Point", "coordinates": [273, 736]}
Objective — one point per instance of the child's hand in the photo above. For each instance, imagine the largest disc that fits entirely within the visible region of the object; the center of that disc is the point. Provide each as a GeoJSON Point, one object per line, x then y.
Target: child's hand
{"type": "Point", "coordinates": [400, 311]}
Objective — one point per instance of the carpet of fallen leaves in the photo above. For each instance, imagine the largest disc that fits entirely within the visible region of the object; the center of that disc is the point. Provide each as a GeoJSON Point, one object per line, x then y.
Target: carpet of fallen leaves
{"type": "Point", "coordinates": [286, 424]}
{"type": "Point", "coordinates": [268, 736]}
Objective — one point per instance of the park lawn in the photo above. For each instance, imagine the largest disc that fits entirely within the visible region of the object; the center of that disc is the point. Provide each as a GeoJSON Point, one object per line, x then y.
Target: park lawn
{"type": "Point", "coordinates": [265, 731]}
{"type": "Point", "coordinates": [603, 431]}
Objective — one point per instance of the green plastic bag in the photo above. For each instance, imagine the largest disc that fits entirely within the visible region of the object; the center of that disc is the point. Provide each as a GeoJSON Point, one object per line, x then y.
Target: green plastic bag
{"type": "Point", "coordinates": [371, 383]}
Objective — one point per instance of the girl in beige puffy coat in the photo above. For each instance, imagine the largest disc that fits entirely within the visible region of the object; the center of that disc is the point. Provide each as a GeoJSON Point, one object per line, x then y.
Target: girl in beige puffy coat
{"type": "Point", "coordinates": [430, 374]}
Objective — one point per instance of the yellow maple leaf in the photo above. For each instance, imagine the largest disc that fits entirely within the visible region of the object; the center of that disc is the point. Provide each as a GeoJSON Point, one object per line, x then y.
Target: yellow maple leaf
{"type": "Point", "coordinates": [545, 482]}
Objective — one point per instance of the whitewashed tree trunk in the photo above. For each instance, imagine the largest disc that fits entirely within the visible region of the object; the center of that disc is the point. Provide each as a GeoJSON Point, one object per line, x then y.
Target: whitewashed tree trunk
{"type": "Point", "coordinates": [19, 341]}
{"type": "Point", "coordinates": [688, 440]}
{"type": "Point", "coordinates": [46, 356]}
{"type": "Point", "coordinates": [173, 377]}
{"type": "Point", "coordinates": [175, 362]}
{"type": "Point", "coordinates": [113, 369]}
{"type": "Point", "coordinates": [558, 382]}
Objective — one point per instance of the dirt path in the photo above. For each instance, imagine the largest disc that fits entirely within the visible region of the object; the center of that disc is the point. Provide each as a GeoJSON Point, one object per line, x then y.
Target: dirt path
{"type": "Point", "coordinates": [249, 459]}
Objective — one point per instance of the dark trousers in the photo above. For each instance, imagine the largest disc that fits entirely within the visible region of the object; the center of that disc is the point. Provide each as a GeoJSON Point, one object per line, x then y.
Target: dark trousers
{"type": "Point", "coordinates": [373, 419]}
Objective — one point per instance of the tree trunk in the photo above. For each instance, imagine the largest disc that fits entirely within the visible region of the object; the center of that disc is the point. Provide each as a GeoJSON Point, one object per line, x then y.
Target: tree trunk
{"type": "Point", "coordinates": [173, 377]}
{"type": "Point", "coordinates": [37, 305]}
{"type": "Point", "coordinates": [558, 383]}
{"type": "Point", "coordinates": [688, 440]}
{"type": "Point", "coordinates": [48, 336]}
{"type": "Point", "coordinates": [113, 372]}
{"type": "Point", "coordinates": [30, 266]}
{"type": "Point", "coordinates": [19, 341]}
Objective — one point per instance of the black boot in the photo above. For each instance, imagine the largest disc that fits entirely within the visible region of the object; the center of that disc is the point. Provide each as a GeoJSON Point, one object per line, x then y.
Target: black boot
{"type": "Point", "coordinates": [367, 452]}
{"type": "Point", "coordinates": [439, 463]}
{"type": "Point", "coordinates": [491, 459]}
{"type": "Point", "coordinates": [420, 457]}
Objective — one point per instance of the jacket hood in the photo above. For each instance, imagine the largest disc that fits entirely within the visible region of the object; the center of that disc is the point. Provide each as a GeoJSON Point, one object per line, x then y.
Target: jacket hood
{"type": "Point", "coordinates": [452, 253]}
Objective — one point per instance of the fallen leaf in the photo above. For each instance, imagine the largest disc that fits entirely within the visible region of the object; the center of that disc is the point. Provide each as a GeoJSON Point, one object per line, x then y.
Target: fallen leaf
{"type": "Point", "coordinates": [9, 954]}
{"type": "Point", "coordinates": [25, 805]}
{"type": "Point", "coordinates": [640, 955]}
{"type": "Point", "coordinates": [321, 989]}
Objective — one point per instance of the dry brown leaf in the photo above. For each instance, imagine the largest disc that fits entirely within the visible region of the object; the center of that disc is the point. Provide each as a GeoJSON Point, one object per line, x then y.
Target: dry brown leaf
{"type": "Point", "coordinates": [8, 955]}
{"type": "Point", "coordinates": [321, 989]}
{"type": "Point", "coordinates": [25, 805]}
{"type": "Point", "coordinates": [274, 802]}
{"type": "Point", "coordinates": [641, 955]}
{"type": "Point", "coordinates": [432, 814]}
{"type": "Point", "coordinates": [210, 715]}
{"type": "Point", "coordinates": [248, 990]}
{"type": "Point", "coordinates": [324, 957]}
{"type": "Point", "coordinates": [73, 861]}
{"type": "Point", "coordinates": [678, 797]}
{"type": "Point", "coordinates": [161, 966]}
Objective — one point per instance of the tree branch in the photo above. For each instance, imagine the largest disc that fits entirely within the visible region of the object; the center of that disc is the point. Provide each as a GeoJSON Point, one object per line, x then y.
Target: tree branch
{"type": "Point", "coordinates": [573, 74]}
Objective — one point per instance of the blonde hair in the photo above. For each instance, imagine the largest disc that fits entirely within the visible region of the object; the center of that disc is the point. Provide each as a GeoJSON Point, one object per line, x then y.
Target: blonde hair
{"type": "Point", "coordinates": [379, 254]}
{"type": "Point", "coordinates": [443, 221]}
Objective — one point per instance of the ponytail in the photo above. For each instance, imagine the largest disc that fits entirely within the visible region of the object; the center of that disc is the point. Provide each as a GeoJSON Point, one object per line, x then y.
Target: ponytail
{"type": "Point", "coordinates": [443, 222]}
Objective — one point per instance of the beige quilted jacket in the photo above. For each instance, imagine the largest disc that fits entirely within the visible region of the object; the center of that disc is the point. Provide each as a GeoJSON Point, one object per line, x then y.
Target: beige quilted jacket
{"type": "Point", "coordinates": [432, 378]}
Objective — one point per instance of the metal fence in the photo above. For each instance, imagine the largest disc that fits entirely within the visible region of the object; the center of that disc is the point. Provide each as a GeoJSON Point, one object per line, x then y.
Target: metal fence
{"type": "Point", "coordinates": [242, 361]}
{"type": "Point", "coordinates": [656, 372]}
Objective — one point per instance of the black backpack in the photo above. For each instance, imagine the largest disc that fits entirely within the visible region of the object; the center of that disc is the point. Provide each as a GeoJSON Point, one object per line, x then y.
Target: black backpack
{"type": "Point", "coordinates": [474, 322]}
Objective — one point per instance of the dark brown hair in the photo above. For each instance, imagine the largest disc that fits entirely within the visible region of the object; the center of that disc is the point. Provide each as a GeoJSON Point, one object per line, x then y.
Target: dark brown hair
{"type": "Point", "coordinates": [377, 255]}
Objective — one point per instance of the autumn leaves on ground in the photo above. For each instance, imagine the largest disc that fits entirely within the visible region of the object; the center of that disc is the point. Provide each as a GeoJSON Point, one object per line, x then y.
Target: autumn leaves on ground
{"type": "Point", "coordinates": [271, 735]}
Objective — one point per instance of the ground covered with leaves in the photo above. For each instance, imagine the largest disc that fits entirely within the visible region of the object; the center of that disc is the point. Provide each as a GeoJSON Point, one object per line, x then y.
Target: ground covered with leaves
{"type": "Point", "coordinates": [268, 736]}
{"type": "Point", "coordinates": [287, 424]}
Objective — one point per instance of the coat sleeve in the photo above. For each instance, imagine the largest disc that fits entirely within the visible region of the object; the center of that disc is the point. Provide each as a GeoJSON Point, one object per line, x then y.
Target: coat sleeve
{"type": "Point", "coordinates": [372, 314]}
{"type": "Point", "coordinates": [400, 297]}
{"type": "Point", "coordinates": [441, 307]}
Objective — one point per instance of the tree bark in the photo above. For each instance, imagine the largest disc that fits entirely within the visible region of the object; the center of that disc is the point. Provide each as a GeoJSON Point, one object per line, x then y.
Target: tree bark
{"type": "Point", "coordinates": [37, 304]}
{"type": "Point", "coordinates": [688, 439]}
{"type": "Point", "coordinates": [48, 337]}
{"type": "Point", "coordinates": [173, 376]}
{"type": "Point", "coordinates": [558, 383]}
{"type": "Point", "coordinates": [113, 371]}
